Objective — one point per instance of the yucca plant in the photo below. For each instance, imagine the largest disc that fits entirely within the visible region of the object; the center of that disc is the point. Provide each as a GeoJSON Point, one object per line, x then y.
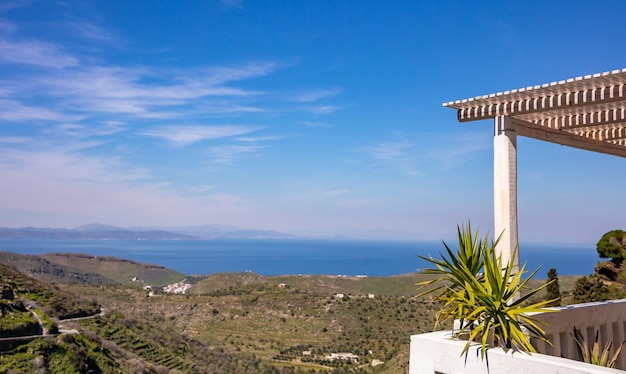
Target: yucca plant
{"type": "Point", "coordinates": [593, 354]}
{"type": "Point", "coordinates": [489, 299]}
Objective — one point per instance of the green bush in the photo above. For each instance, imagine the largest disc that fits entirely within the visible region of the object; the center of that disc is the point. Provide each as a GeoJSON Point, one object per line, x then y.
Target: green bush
{"type": "Point", "coordinates": [589, 289]}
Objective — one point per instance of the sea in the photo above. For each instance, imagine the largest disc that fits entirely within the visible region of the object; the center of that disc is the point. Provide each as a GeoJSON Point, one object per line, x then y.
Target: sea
{"type": "Point", "coordinates": [292, 257]}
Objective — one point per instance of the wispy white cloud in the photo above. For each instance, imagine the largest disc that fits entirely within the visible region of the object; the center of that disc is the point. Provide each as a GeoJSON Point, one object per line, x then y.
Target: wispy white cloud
{"type": "Point", "coordinates": [413, 155]}
{"type": "Point", "coordinates": [12, 110]}
{"type": "Point", "coordinates": [227, 154]}
{"type": "Point", "coordinates": [314, 95]}
{"type": "Point", "coordinates": [6, 91]}
{"type": "Point", "coordinates": [221, 109]}
{"type": "Point", "coordinates": [56, 164]}
{"type": "Point", "coordinates": [110, 128]}
{"type": "Point", "coordinates": [186, 135]}
{"type": "Point", "coordinates": [92, 31]}
{"type": "Point", "coordinates": [69, 129]}
{"type": "Point", "coordinates": [111, 82]}
{"type": "Point", "coordinates": [150, 93]}
{"type": "Point", "coordinates": [315, 124]}
{"type": "Point", "coordinates": [75, 105]}
{"type": "Point", "coordinates": [35, 53]}
{"type": "Point", "coordinates": [457, 149]}
{"type": "Point", "coordinates": [388, 151]}
{"type": "Point", "coordinates": [76, 88]}
{"type": "Point", "coordinates": [13, 4]}
{"type": "Point", "coordinates": [316, 190]}
{"type": "Point", "coordinates": [15, 139]}
{"type": "Point", "coordinates": [402, 157]}
{"type": "Point", "coordinates": [324, 109]}
{"type": "Point", "coordinates": [86, 131]}
{"type": "Point", "coordinates": [255, 139]}
{"type": "Point", "coordinates": [220, 75]}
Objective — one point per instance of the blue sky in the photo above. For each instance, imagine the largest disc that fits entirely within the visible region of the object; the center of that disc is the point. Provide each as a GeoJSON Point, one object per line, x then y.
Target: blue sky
{"type": "Point", "coordinates": [298, 116]}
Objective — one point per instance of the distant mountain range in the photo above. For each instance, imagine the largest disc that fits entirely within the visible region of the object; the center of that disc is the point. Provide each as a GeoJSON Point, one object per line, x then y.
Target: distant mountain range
{"type": "Point", "coordinates": [98, 231]}
{"type": "Point", "coordinates": [107, 232]}
{"type": "Point", "coordinates": [229, 232]}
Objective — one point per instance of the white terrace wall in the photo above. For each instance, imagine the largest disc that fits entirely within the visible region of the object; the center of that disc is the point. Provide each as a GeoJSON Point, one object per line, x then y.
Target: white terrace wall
{"type": "Point", "coordinates": [607, 317]}
{"type": "Point", "coordinates": [436, 352]}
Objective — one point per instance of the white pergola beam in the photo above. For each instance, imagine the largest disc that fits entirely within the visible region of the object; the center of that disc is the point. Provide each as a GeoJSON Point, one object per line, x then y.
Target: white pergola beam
{"type": "Point", "coordinates": [532, 130]}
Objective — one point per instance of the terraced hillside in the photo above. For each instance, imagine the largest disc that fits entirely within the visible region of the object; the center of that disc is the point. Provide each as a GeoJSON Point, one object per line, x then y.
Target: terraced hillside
{"type": "Point", "coordinates": [284, 325]}
{"type": "Point", "coordinates": [229, 323]}
{"type": "Point", "coordinates": [46, 271]}
{"type": "Point", "coordinates": [88, 269]}
{"type": "Point", "coordinates": [117, 269]}
{"type": "Point", "coordinates": [399, 285]}
{"type": "Point", "coordinates": [109, 343]}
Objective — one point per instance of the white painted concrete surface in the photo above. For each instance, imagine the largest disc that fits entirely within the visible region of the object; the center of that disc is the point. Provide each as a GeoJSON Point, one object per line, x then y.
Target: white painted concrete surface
{"type": "Point", "coordinates": [436, 352]}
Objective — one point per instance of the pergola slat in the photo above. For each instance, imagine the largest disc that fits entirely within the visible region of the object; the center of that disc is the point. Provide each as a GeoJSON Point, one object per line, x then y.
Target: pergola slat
{"type": "Point", "coordinates": [592, 107]}
{"type": "Point", "coordinates": [541, 103]}
{"type": "Point", "coordinates": [599, 117]}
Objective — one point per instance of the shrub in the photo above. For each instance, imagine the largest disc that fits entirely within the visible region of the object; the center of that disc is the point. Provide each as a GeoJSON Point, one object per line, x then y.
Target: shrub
{"type": "Point", "coordinates": [592, 354]}
{"type": "Point", "coordinates": [474, 287]}
{"type": "Point", "coordinates": [613, 245]}
{"type": "Point", "coordinates": [588, 289]}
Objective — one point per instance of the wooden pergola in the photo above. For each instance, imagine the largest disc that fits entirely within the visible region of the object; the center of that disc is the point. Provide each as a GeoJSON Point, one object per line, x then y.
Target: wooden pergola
{"type": "Point", "coordinates": [585, 112]}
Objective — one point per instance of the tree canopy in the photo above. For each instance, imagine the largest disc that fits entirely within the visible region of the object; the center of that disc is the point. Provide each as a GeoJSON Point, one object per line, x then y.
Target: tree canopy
{"type": "Point", "coordinates": [613, 245]}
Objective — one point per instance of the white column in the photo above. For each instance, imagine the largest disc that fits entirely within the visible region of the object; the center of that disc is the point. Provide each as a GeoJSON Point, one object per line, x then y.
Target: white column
{"type": "Point", "coordinates": [505, 188]}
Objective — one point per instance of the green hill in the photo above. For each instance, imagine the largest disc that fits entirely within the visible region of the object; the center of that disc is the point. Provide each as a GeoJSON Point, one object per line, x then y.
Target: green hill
{"type": "Point", "coordinates": [108, 343]}
{"type": "Point", "coordinates": [19, 288]}
{"type": "Point", "coordinates": [399, 285]}
{"type": "Point", "coordinates": [88, 269]}
{"type": "Point", "coordinates": [44, 270]}
{"type": "Point", "coordinates": [117, 269]}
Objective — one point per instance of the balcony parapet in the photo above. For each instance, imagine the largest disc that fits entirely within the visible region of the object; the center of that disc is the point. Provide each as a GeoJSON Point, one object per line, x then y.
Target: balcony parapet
{"type": "Point", "coordinates": [608, 318]}
{"type": "Point", "coordinates": [438, 353]}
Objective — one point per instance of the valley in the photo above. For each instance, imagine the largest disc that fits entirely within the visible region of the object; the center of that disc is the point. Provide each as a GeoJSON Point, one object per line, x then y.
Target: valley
{"type": "Point", "coordinates": [224, 323]}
